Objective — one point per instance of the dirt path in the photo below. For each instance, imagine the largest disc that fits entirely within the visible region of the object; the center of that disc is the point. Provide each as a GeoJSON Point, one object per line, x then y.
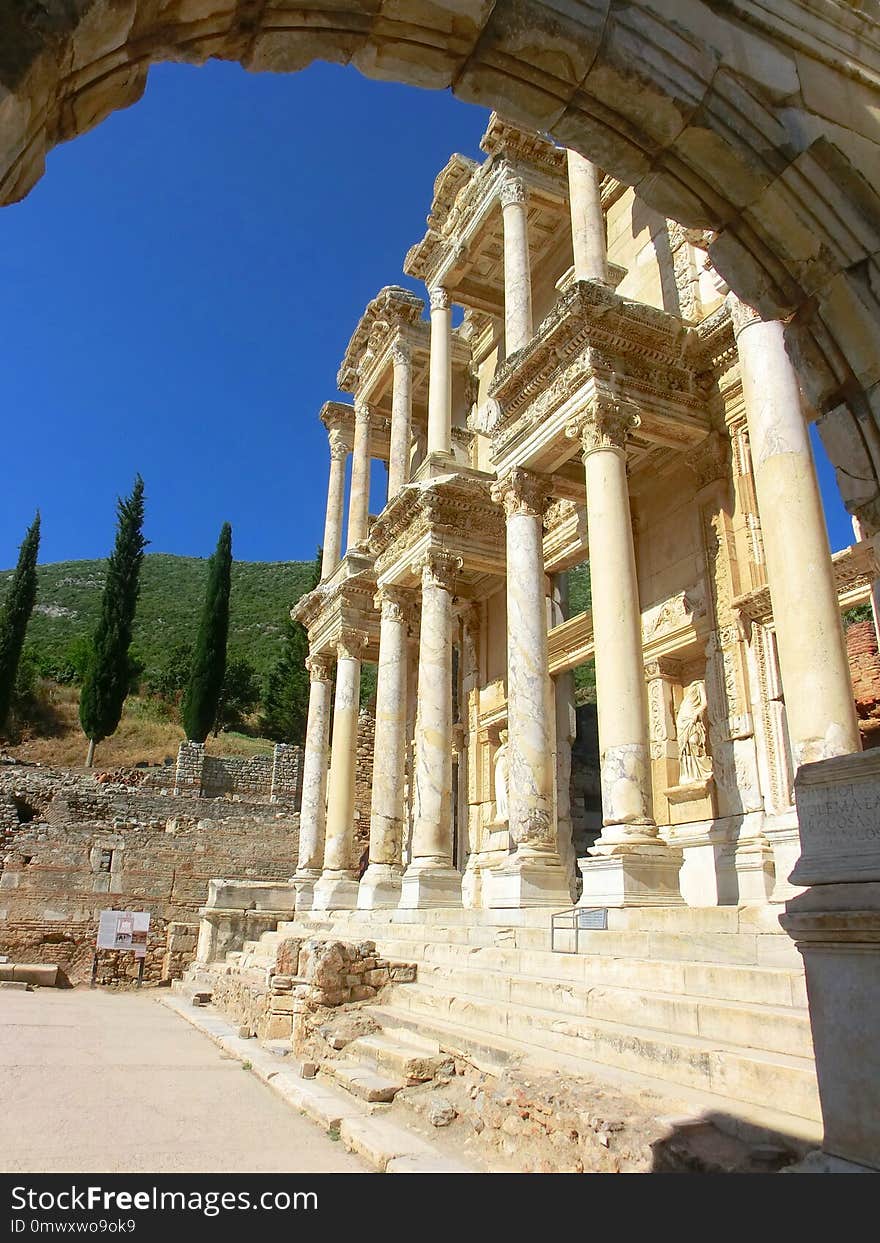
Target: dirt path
{"type": "Point", "coordinates": [101, 1082]}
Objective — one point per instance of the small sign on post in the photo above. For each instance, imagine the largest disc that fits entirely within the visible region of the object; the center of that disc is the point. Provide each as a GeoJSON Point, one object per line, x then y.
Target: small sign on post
{"type": "Point", "coordinates": [123, 930]}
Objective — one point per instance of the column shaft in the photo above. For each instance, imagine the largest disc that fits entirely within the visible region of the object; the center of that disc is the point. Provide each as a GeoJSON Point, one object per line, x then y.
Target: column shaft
{"type": "Point", "coordinates": [440, 374]}
{"type": "Point", "coordinates": [517, 273]}
{"type": "Point", "coordinates": [401, 420]}
{"type": "Point", "coordinates": [587, 220]}
{"type": "Point", "coordinates": [630, 865]}
{"type": "Point", "coordinates": [312, 819]}
{"type": "Point", "coordinates": [812, 654]}
{"type": "Point", "coordinates": [431, 880]}
{"type": "Point", "coordinates": [534, 875]}
{"type": "Point", "coordinates": [359, 501]}
{"type": "Point", "coordinates": [337, 888]}
{"type": "Point", "coordinates": [335, 503]}
{"type": "Point", "coordinates": [380, 886]}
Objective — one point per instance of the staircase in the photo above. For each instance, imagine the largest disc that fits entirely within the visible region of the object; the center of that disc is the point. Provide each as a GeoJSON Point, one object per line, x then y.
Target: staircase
{"type": "Point", "coordinates": [707, 1006]}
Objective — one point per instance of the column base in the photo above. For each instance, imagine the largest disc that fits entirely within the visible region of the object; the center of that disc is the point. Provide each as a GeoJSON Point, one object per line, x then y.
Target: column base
{"type": "Point", "coordinates": [426, 885]}
{"type": "Point", "coordinates": [379, 888]}
{"type": "Point", "coordinates": [304, 883]}
{"type": "Point", "coordinates": [636, 875]}
{"type": "Point", "coordinates": [784, 837]}
{"type": "Point", "coordinates": [335, 891]}
{"type": "Point", "coordinates": [529, 880]}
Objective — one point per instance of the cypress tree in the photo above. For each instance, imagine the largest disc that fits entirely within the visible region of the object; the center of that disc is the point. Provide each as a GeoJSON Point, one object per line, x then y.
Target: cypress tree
{"type": "Point", "coordinates": [198, 711]}
{"type": "Point", "coordinates": [107, 678]}
{"type": "Point", "coordinates": [16, 613]}
{"type": "Point", "coordinates": [286, 703]}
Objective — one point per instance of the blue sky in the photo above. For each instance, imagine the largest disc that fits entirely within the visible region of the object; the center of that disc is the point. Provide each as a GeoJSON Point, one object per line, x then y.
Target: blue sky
{"type": "Point", "coordinates": [178, 291]}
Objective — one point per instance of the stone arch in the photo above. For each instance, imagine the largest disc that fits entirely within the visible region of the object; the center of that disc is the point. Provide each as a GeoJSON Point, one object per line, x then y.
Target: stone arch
{"type": "Point", "coordinates": [760, 125]}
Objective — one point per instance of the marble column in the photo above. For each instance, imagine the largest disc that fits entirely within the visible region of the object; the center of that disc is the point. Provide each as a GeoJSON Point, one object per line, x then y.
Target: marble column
{"type": "Point", "coordinates": [630, 865]}
{"type": "Point", "coordinates": [332, 554]}
{"type": "Point", "coordinates": [534, 875]}
{"type": "Point", "coordinates": [337, 888]}
{"type": "Point", "coordinates": [517, 273]}
{"type": "Point", "coordinates": [566, 732]}
{"type": "Point", "coordinates": [431, 879]}
{"type": "Point", "coordinates": [380, 886]}
{"type": "Point", "coordinates": [313, 809]}
{"type": "Point", "coordinates": [359, 500]}
{"type": "Point", "coordinates": [819, 703]}
{"type": "Point", "coordinates": [587, 220]}
{"type": "Point", "coordinates": [401, 418]}
{"type": "Point", "coordinates": [440, 374]}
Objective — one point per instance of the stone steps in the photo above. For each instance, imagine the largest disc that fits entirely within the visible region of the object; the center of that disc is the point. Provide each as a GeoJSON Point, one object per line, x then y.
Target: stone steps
{"type": "Point", "coordinates": [761, 1087]}
{"type": "Point", "coordinates": [760, 944]}
{"type": "Point", "coordinates": [401, 1054]}
{"type": "Point", "coordinates": [782, 986]}
{"type": "Point", "coordinates": [362, 1081]}
{"type": "Point", "coordinates": [706, 1002]}
{"type": "Point", "coordinates": [777, 1029]}
{"type": "Point", "coordinates": [692, 1061]}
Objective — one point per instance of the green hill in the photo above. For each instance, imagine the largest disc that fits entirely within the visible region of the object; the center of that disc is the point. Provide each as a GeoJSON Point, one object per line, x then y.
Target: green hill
{"type": "Point", "coordinates": [172, 588]}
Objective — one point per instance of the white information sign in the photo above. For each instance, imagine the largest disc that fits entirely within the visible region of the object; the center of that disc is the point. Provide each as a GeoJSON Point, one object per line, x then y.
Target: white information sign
{"type": "Point", "coordinates": [124, 930]}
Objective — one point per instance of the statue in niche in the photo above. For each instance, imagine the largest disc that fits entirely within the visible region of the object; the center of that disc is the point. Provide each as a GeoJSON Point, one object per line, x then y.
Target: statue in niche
{"type": "Point", "coordinates": [502, 768]}
{"type": "Point", "coordinates": [690, 726]}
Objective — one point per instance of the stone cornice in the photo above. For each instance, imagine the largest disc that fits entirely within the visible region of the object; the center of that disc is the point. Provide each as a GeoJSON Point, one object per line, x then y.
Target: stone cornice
{"type": "Point", "coordinates": [457, 508]}
{"type": "Point", "coordinates": [513, 153]}
{"type": "Point", "coordinates": [593, 332]}
{"type": "Point", "coordinates": [394, 308]}
{"type": "Point", "coordinates": [338, 416]}
{"type": "Point", "coordinates": [855, 570]}
{"type": "Point", "coordinates": [503, 138]}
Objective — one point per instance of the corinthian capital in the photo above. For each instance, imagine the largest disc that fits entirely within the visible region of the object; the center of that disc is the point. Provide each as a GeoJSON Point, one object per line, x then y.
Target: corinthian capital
{"type": "Point", "coordinates": [438, 569]}
{"type": "Point", "coordinates": [741, 313]}
{"type": "Point", "coordinates": [520, 492]}
{"type": "Point", "coordinates": [401, 353]}
{"type": "Point", "coordinates": [339, 446]}
{"type": "Point", "coordinates": [350, 644]}
{"type": "Point", "coordinates": [320, 666]}
{"type": "Point", "coordinates": [605, 424]}
{"type": "Point", "coordinates": [395, 604]}
{"type": "Point", "coordinates": [439, 298]}
{"type": "Point", "coordinates": [361, 412]}
{"type": "Point", "coordinates": [513, 190]}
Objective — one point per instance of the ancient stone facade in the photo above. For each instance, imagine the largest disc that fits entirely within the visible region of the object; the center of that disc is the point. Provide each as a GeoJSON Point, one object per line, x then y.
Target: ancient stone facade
{"type": "Point", "coordinates": [72, 848]}
{"type": "Point", "coordinates": [756, 122]}
{"type": "Point", "coordinates": [605, 400]}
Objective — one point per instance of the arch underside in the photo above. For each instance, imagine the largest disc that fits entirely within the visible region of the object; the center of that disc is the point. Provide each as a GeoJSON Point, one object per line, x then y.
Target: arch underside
{"type": "Point", "coordinates": [761, 125]}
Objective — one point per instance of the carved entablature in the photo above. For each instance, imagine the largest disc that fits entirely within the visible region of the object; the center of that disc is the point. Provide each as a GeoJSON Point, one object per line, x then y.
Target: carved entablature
{"type": "Point", "coordinates": [710, 460]}
{"type": "Point", "coordinates": [855, 569]}
{"type": "Point", "coordinates": [465, 214]}
{"type": "Point", "coordinates": [595, 342]}
{"type": "Point", "coordinates": [452, 513]}
{"type": "Point", "coordinates": [393, 311]}
{"type": "Point", "coordinates": [340, 605]}
{"type": "Point", "coordinates": [676, 620]}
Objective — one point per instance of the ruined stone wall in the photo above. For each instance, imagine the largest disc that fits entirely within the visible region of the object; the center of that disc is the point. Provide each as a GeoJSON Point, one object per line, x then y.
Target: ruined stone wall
{"type": "Point", "coordinates": [90, 848]}
{"type": "Point", "coordinates": [276, 776]}
{"type": "Point", "coordinates": [864, 668]}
